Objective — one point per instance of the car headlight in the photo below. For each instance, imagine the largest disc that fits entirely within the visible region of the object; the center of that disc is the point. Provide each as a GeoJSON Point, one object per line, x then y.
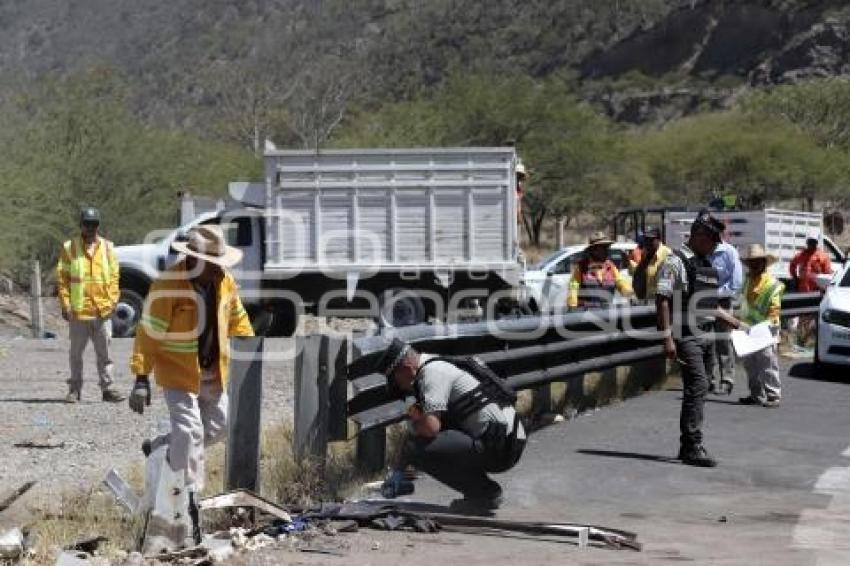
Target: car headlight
{"type": "Point", "coordinates": [839, 318]}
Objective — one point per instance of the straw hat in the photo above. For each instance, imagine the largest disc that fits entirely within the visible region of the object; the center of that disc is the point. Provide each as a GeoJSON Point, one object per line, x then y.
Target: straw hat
{"type": "Point", "coordinates": [599, 239]}
{"type": "Point", "coordinates": [757, 251]}
{"type": "Point", "coordinates": [207, 242]}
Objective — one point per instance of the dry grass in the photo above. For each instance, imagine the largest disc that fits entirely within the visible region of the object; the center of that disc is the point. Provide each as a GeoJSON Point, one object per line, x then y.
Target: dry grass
{"type": "Point", "coordinates": [79, 514]}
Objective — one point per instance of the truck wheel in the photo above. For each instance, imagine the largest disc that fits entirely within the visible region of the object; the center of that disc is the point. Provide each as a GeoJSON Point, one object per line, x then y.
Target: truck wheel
{"type": "Point", "coordinates": [401, 307]}
{"type": "Point", "coordinates": [127, 312]}
{"type": "Point", "coordinates": [284, 320]}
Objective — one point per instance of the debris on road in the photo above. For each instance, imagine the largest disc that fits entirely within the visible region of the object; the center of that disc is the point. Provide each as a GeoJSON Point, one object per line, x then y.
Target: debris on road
{"type": "Point", "coordinates": [88, 545]}
{"type": "Point", "coordinates": [122, 491]}
{"type": "Point", "coordinates": [244, 498]}
{"type": "Point", "coordinates": [11, 544]}
{"type": "Point", "coordinates": [15, 495]}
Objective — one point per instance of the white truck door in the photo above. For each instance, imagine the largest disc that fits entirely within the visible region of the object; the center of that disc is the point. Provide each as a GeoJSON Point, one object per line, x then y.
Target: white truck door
{"type": "Point", "coordinates": [244, 231]}
{"type": "Point", "coordinates": [557, 283]}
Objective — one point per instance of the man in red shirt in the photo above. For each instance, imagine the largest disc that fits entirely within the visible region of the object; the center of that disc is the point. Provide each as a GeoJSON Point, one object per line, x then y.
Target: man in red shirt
{"type": "Point", "coordinates": [808, 264]}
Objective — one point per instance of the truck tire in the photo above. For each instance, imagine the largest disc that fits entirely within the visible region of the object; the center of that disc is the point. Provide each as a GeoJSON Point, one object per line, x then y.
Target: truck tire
{"type": "Point", "coordinates": [284, 320]}
{"type": "Point", "coordinates": [127, 312]}
{"type": "Point", "coordinates": [401, 307]}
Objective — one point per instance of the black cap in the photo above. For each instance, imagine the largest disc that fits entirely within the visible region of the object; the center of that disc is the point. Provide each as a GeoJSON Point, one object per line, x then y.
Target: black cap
{"type": "Point", "coordinates": [706, 221]}
{"type": "Point", "coordinates": [392, 357]}
{"type": "Point", "coordinates": [90, 214]}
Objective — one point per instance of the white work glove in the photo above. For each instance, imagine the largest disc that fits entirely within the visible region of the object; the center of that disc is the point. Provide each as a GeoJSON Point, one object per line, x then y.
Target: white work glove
{"type": "Point", "coordinates": [140, 395]}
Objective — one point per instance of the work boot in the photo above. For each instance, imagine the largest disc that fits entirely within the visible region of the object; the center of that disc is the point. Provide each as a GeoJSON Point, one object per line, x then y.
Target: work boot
{"type": "Point", "coordinates": [72, 396]}
{"type": "Point", "coordinates": [696, 456]}
{"type": "Point", "coordinates": [112, 396]}
{"type": "Point", "coordinates": [771, 403]}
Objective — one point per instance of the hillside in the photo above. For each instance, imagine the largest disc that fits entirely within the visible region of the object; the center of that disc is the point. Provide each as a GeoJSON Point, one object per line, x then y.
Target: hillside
{"type": "Point", "coordinates": [641, 60]}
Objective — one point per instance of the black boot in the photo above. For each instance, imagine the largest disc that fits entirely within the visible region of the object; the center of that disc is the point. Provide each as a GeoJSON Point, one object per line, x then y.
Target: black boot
{"type": "Point", "coordinates": [696, 456]}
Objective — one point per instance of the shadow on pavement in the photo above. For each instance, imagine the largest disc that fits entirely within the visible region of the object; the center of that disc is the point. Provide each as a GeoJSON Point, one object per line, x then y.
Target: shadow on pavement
{"type": "Point", "coordinates": [806, 370]}
{"type": "Point", "coordinates": [32, 401]}
{"type": "Point", "coordinates": [630, 455]}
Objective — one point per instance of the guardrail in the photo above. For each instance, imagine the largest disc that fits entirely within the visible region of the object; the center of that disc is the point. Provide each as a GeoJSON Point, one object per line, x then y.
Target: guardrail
{"type": "Point", "coordinates": [529, 352]}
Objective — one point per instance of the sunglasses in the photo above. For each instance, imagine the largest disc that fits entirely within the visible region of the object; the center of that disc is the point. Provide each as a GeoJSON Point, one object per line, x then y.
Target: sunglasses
{"type": "Point", "coordinates": [91, 224]}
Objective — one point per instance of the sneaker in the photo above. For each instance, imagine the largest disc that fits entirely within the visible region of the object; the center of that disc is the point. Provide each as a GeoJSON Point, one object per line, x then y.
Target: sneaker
{"type": "Point", "coordinates": [770, 403]}
{"type": "Point", "coordinates": [112, 396]}
{"type": "Point", "coordinates": [749, 400]}
{"type": "Point", "coordinates": [72, 397]}
{"type": "Point", "coordinates": [697, 456]}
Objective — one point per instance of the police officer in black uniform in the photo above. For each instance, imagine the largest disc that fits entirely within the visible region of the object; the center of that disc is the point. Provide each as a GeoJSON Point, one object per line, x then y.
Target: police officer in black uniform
{"type": "Point", "coordinates": [464, 423]}
{"type": "Point", "coordinates": [687, 301]}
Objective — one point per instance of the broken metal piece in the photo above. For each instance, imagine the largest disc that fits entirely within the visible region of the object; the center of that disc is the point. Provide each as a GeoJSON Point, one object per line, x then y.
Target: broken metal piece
{"type": "Point", "coordinates": [40, 444]}
{"type": "Point", "coordinates": [122, 491]}
{"type": "Point", "coordinates": [6, 503]}
{"type": "Point", "coordinates": [244, 498]}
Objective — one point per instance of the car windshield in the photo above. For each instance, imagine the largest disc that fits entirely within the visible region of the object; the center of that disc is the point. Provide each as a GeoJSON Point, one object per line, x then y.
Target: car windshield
{"type": "Point", "coordinates": [845, 280]}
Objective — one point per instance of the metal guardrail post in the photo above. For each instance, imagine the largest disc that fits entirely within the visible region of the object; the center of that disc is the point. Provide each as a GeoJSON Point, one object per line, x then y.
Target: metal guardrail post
{"type": "Point", "coordinates": [311, 394]}
{"type": "Point", "coordinates": [245, 391]}
{"type": "Point", "coordinates": [36, 308]}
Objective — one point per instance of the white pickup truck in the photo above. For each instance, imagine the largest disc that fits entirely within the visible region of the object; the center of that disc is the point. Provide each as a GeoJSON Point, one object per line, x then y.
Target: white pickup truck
{"type": "Point", "coordinates": [399, 235]}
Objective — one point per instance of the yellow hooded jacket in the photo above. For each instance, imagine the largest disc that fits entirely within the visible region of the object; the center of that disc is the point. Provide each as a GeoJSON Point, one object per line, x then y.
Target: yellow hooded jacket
{"type": "Point", "coordinates": [167, 334]}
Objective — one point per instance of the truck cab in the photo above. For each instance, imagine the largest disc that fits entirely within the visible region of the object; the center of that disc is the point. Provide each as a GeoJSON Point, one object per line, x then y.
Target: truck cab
{"type": "Point", "coordinates": [141, 264]}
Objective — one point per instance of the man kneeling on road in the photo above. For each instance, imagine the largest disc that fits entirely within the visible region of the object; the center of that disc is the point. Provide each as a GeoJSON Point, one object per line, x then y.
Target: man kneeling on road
{"type": "Point", "coordinates": [464, 425]}
{"type": "Point", "coordinates": [182, 338]}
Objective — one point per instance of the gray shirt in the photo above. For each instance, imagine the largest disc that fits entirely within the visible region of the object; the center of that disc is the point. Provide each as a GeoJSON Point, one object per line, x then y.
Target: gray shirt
{"type": "Point", "coordinates": [441, 383]}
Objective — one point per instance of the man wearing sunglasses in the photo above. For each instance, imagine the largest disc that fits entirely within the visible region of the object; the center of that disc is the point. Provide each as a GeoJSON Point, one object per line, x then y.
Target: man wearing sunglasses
{"type": "Point", "coordinates": [87, 276]}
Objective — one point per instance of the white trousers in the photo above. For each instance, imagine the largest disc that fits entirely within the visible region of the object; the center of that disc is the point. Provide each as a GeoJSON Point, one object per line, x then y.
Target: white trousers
{"type": "Point", "coordinates": [197, 421]}
{"type": "Point", "coordinates": [99, 331]}
{"type": "Point", "coordinates": [763, 374]}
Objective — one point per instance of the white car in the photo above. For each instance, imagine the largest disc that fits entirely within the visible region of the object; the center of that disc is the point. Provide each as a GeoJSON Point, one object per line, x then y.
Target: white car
{"type": "Point", "coordinates": [832, 346]}
{"type": "Point", "coordinates": [547, 283]}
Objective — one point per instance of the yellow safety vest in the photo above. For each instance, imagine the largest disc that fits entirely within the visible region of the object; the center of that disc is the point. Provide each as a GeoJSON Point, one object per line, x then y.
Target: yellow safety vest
{"type": "Point", "coordinates": [81, 278]}
{"type": "Point", "coordinates": [756, 312]}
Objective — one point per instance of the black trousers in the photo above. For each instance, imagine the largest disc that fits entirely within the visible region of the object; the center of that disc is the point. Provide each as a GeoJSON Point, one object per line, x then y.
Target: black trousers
{"type": "Point", "coordinates": [696, 357]}
{"type": "Point", "coordinates": [462, 462]}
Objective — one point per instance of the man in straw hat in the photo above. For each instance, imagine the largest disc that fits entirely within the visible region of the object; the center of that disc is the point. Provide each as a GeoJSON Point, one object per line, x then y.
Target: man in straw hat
{"type": "Point", "coordinates": [762, 302]}
{"type": "Point", "coordinates": [595, 277]}
{"type": "Point", "coordinates": [182, 338]}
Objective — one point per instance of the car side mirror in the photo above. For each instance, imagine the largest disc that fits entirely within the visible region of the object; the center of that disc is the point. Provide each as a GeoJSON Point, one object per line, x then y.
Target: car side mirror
{"type": "Point", "coordinates": [823, 281]}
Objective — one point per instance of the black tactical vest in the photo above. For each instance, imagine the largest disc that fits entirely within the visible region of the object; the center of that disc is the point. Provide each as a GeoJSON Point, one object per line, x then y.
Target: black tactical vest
{"type": "Point", "coordinates": [703, 279]}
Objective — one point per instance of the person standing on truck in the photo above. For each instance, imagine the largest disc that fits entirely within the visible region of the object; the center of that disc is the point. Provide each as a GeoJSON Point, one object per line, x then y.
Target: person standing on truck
{"type": "Point", "coordinates": [727, 261]}
{"type": "Point", "coordinates": [595, 278]}
{"type": "Point", "coordinates": [189, 313]}
{"type": "Point", "coordinates": [464, 422]}
{"type": "Point", "coordinates": [686, 302]}
{"type": "Point", "coordinates": [521, 179]}
{"type": "Point", "coordinates": [762, 302]}
{"type": "Point", "coordinates": [87, 277]}
{"type": "Point", "coordinates": [645, 271]}
{"type": "Point", "coordinates": [807, 264]}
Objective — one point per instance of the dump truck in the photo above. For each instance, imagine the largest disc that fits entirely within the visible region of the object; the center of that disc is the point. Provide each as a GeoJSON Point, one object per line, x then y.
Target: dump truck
{"type": "Point", "coordinates": [398, 235]}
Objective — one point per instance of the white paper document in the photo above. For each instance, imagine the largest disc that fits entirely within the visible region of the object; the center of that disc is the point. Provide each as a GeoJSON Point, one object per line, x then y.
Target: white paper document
{"type": "Point", "coordinates": [758, 338]}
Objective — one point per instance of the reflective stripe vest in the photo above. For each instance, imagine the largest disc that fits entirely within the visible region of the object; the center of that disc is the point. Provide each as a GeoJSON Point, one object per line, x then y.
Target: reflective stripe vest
{"type": "Point", "coordinates": [757, 311]}
{"type": "Point", "coordinates": [88, 286]}
{"type": "Point", "coordinates": [167, 335]}
{"type": "Point", "coordinates": [600, 279]}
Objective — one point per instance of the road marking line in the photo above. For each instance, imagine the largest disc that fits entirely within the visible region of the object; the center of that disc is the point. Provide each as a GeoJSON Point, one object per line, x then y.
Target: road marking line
{"type": "Point", "coordinates": [826, 532]}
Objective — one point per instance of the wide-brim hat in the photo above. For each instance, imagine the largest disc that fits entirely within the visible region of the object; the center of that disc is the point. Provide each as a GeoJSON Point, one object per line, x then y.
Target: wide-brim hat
{"type": "Point", "coordinates": [207, 243]}
{"type": "Point", "coordinates": [599, 239]}
{"type": "Point", "coordinates": [756, 252]}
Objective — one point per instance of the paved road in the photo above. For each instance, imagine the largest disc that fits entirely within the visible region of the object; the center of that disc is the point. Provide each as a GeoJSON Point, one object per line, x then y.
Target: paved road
{"type": "Point", "coordinates": [781, 494]}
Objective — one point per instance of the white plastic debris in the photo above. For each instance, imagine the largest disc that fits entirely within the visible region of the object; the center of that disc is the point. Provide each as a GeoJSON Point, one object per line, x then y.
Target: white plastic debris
{"type": "Point", "coordinates": [11, 544]}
